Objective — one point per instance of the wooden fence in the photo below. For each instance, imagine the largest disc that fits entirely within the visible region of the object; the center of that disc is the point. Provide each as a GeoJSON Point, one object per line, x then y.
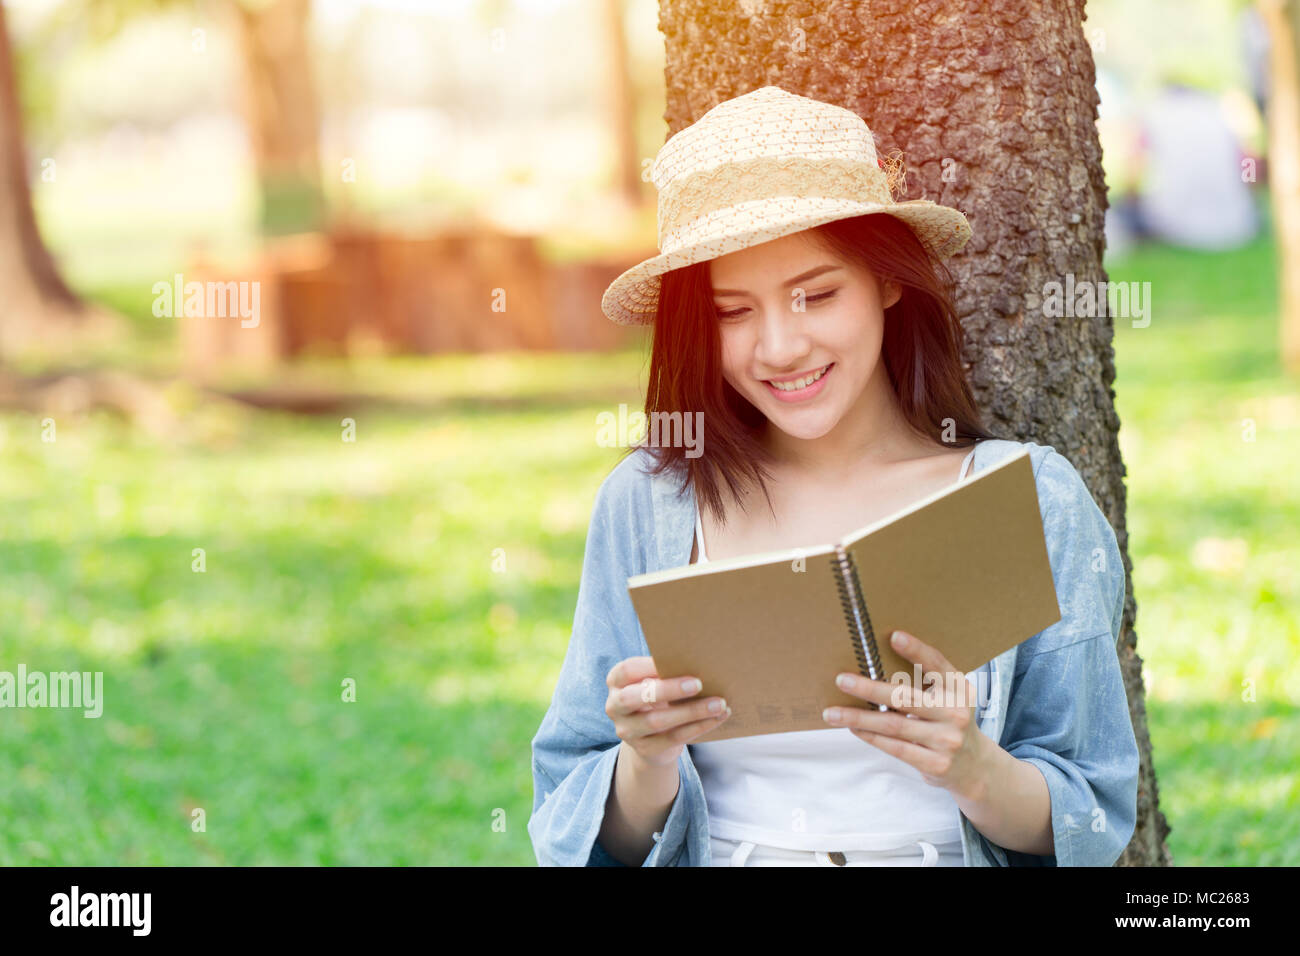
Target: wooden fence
{"type": "Point", "coordinates": [353, 292]}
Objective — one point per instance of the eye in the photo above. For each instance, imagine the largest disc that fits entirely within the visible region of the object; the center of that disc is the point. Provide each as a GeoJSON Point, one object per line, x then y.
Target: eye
{"type": "Point", "coordinates": [821, 296]}
{"type": "Point", "coordinates": [736, 313]}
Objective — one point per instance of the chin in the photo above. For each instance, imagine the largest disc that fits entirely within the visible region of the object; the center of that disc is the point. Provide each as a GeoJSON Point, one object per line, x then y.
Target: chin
{"type": "Point", "coordinates": [806, 427]}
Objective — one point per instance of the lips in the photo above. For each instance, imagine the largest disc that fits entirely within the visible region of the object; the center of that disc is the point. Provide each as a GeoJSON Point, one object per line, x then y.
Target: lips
{"type": "Point", "coordinates": [802, 380]}
{"type": "Point", "coordinates": [806, 385]}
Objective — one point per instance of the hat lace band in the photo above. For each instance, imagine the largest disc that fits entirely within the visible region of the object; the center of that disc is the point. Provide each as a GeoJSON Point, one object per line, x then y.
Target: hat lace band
{"type": "Point", "coordinates": [701, 193]}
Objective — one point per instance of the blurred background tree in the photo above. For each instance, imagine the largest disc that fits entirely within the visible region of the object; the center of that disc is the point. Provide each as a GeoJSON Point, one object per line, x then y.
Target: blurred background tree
{"type": "Point", "coordinates": [36, 301]}
{"type": "Point", "coordinates": [277, 90]}
{"type": "Point", "coordinates": [1283, 21]}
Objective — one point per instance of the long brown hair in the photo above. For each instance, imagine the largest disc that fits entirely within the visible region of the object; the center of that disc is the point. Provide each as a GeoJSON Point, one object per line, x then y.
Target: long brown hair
{"type": "Point", "coordinates": [921, 350]}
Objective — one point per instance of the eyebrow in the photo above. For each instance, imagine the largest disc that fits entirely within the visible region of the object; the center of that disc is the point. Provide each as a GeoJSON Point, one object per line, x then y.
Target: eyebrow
{"type": "Point", "coordinates": [811, 273]}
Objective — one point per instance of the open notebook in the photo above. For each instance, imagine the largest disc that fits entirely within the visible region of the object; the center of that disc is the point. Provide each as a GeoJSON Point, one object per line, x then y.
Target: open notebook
{"type": "Point", "coordinates": [964, 569]}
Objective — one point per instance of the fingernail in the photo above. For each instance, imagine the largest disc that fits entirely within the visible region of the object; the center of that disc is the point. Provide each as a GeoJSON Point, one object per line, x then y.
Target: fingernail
{"type": "Point", "coordinates": [844, 681]}
{"type": "Point", "coordinates": [831, 714]}
{"type": "Point", "coordinates": [715, 706]}
{"type": "Point", "coordinates": [900, 639]}
{"type": "Point", "coordinates": [691, 685]}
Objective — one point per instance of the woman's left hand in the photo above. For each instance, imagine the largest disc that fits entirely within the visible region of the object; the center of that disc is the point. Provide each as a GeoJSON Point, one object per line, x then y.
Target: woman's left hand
{"type": "Point", "coordinates": [941, 738]}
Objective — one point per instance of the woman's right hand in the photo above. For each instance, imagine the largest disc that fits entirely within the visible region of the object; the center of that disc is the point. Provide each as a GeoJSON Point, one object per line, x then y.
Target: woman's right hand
{"type": "Point", "coordinates": [655, 716]}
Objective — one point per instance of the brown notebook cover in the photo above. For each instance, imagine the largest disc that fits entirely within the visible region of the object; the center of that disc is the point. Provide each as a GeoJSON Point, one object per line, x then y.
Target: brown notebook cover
{"type": "Point", "coordinates": [965, 569]}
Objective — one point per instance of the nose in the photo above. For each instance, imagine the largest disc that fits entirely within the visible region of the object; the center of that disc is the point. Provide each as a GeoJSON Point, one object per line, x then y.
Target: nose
{"type": "Point", "coordinates": [782, 341]}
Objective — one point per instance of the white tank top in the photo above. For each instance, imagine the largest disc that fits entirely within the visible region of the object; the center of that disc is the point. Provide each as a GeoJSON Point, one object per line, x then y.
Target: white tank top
{"type": "Point", "coordinates": [821, 789]}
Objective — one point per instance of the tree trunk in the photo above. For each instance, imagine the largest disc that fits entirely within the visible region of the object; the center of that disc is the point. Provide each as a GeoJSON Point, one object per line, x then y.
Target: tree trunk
{"type": "Point", "coordinates": [994, 112]}
{"type": "Point", "coordinates": [35, 299]}
{"type": "Point", "coordinates": [282, 112]}
{"type": "Point", "coordinates": [1283, 20]}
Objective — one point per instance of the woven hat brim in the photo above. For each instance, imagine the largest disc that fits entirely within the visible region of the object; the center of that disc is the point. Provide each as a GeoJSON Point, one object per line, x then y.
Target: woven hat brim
{"type": "Point", "coordinates": [633, 297]}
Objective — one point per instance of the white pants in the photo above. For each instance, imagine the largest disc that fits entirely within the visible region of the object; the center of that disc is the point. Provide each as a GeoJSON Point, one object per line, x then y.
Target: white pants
{"type": "Point", "coordinates": [920, 853]}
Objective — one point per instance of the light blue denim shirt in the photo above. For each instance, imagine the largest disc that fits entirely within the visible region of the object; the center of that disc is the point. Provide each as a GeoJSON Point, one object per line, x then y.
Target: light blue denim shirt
{"type": "Point", "coordinates": [1056, 700]}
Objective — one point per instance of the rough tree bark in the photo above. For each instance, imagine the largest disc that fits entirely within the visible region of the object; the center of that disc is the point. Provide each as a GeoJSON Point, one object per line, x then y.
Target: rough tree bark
{"type": "Point", "coordinates": [993, 107]}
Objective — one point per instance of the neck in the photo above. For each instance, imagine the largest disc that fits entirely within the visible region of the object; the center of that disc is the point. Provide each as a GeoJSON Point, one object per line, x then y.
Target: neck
{"type": "Point", "coordinates": [873, 432]}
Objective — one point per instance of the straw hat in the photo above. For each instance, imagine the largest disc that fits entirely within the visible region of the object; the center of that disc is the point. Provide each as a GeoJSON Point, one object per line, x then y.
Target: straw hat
{"type": "Point", "coordinates": [758, 167]}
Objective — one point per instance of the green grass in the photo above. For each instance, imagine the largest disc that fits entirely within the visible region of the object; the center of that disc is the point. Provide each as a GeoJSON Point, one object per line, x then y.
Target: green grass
{"type": "Point", "coordinates": [372, 561]}
{"type": "Point", "coordinates": [1213, 519]}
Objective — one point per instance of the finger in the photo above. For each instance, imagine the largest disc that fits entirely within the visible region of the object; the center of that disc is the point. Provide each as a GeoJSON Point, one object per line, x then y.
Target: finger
{"type": "Point", "coordinates": [918, 652]}
{"type": "Point", "coordinates": [922, 758]}
{"type": "Point", "coordinates": [696, 728]}
{"type": "Point", "coordinates": [930, 734]}
{"type": "Point", "coordinates": [629, 671]}
{"type": "Point", "coordinates": [684, 734]}
{"type": "Point", "coordinates": [652, 693]}
{"type": "Point", "coordinates": [650, 722]}
{"type": "Point", "coordinates": [939, 696]}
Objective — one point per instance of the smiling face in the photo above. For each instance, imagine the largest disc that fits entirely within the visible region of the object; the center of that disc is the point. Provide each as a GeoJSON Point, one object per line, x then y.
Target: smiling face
{"type": "Point", "coordinates": [801, 332]}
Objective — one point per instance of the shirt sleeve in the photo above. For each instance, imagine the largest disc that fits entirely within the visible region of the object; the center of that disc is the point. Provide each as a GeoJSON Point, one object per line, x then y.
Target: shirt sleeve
{"type": "Point", "coordinates": [1068, 713]}
{"type": "Point", "coordinates": [576, 748]}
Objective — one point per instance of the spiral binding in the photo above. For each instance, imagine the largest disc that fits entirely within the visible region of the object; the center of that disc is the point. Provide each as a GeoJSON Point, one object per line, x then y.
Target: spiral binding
{"type": "Point", "coordinates": [856, 616]}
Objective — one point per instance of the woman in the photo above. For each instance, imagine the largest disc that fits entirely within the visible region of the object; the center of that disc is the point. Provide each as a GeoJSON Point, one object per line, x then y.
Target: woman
{"type": "Point", "coordinates": [800, 309]}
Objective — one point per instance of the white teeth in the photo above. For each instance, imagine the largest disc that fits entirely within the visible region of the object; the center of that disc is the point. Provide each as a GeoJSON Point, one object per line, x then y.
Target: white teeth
{"type": "Point", "coordinates": [800, 382]}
